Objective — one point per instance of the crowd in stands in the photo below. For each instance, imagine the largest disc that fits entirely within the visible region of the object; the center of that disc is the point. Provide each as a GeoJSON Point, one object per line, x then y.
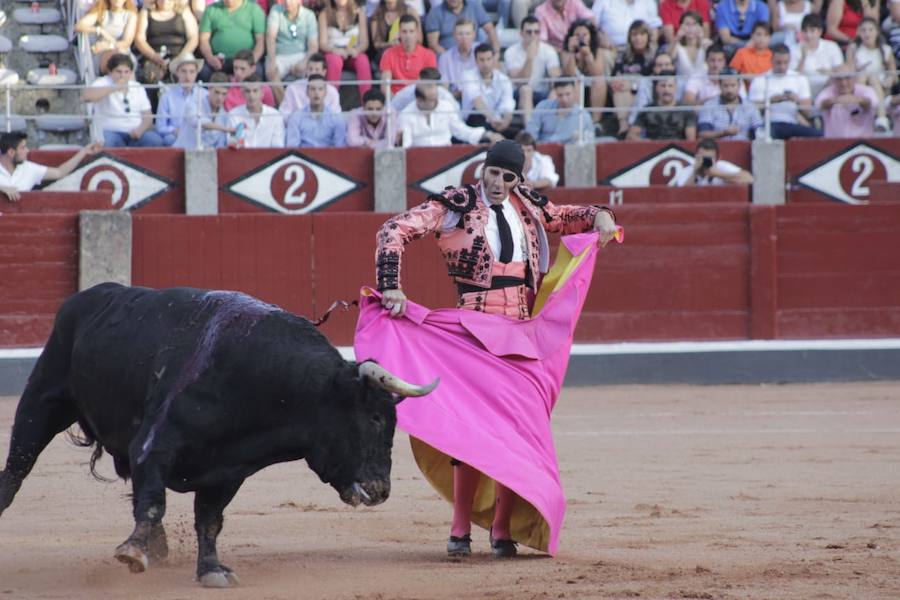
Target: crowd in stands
{"type": "Point", "coordinates": [632, 69]}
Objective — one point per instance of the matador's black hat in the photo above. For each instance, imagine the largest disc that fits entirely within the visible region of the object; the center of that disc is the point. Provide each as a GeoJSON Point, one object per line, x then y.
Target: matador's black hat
{"type": "Point", "coordinates": [506, 154]}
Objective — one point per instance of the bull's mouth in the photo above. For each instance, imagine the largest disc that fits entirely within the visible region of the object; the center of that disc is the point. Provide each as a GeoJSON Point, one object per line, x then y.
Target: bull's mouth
{"type": "Point", "coordinates": [369, 494]}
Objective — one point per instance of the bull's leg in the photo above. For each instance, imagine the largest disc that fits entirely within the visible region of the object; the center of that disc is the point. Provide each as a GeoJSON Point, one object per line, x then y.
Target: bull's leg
{"type": "Point", "coordinates": [41, 414]}
{"type": "Point", "coordinates": [209, 503]}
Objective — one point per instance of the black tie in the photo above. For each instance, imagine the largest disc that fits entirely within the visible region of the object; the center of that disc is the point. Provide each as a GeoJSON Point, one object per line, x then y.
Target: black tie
{"type": "Point", "coordinates": [506, 241]}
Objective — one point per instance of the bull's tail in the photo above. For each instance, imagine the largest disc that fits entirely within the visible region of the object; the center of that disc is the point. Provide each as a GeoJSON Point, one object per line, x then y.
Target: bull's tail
{"type": "Point", "coordinates": [336, 304]}
{"type": "Point", "coordinates": [85, 438]}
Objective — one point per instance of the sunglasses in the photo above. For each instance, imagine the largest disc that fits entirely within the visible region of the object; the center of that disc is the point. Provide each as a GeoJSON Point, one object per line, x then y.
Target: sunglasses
{"type": "Point", "coordinates": [293, 29]}
{"type": "Point", "coordinates": [127, 103]}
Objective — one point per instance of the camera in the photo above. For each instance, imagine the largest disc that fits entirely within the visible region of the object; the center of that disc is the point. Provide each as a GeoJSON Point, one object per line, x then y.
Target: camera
{"type": "Point", "coordinates": [707, 162]}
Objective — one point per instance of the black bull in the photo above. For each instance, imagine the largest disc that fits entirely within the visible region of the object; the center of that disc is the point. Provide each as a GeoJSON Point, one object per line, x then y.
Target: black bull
{"type": "Point", "coordinates": [195, 391]}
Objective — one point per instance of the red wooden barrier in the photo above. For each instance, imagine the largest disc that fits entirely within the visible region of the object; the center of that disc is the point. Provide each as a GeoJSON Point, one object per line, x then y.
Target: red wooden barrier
{"type": "Point", "coordinates": [654, 194]}
{"type": "Point", "coordinates": [639, 164]}
{"type": "Point", "coordinates": [296, 181]}
{"type": "Point", "coordinates": [40, 202]}
{"type": "Point", "coordinates": [38, 270]}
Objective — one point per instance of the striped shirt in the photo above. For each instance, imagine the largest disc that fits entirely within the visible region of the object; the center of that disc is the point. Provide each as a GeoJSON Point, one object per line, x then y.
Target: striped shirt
{"type": "Point", "coordinates": [715, 116]}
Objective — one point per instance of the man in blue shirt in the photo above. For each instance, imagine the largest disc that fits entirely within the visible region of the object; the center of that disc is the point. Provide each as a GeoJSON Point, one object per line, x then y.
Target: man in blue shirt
{"type": "Point", "coordinates": [561, 120]}
{"type": "Point", "coordinates": [442, 18]}
{"type": "Point", "coordinates": [728, 116]}
{"type": "Point", "coordinates": [170, 113]}
{"type": "Point", "coordinates": [735, 20]}
{"type": "Point", "coordinates": [315, 125]}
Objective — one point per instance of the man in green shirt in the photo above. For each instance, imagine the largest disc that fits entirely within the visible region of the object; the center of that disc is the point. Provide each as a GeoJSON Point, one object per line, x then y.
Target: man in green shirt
{"type": "Point", "coordinates": [228, 26]}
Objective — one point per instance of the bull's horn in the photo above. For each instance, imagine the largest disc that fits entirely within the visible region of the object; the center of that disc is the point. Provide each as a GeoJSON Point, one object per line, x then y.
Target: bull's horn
{"type": "Point", "coordinates": [381, 377]}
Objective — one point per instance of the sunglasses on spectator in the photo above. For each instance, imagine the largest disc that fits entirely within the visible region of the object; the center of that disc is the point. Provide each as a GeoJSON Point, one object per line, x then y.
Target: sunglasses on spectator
{"type": "Point", "coordinates": [127, 103]}
{"type": "Point", "coordinates": [293, 30]}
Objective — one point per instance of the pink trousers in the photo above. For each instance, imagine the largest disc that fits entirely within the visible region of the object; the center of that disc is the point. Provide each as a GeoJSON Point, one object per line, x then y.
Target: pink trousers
{"type": "Point", "coordinates": [334, 64]}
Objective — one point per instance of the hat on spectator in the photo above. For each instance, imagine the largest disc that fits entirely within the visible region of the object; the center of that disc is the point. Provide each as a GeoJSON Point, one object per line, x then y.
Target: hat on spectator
{"type": "Point", "coordinates": [180, 60]}
{"type": "Point", "coordinates": [508, 155]}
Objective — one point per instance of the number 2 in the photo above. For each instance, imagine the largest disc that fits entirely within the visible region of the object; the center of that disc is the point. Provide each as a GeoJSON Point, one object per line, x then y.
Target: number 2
{"type": "Point", "coordinates": [864, 166]}
{"type": "Point", "coordinates": [294, 174]}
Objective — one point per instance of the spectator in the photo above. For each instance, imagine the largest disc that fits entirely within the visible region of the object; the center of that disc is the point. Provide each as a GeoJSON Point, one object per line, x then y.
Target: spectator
{"type": "Point", "coordinates": [701, 89]}
{"type": "Point", "coordinates": [788, 97]}
{"type": "Point", "coordinates": [368, 126]}
{"type": "Point", "coordinates": [688, 50]}
{"type": "Point", "coordinates": [243, 66]}
{"type": "Point", "coordinates": [844, 16]}
{"type": "Point", "coordinates": [292, 34]}
{"type": "Point", "coordinates": [815, 58]}
{"type": "Point", "coordinates": [255, 124]}
{"type": "Point", "coordinates": [672, 11]}
{"type": "Point", "coordinates": [123, 111]}
{"type": "Point", "coordinates": [344, 38]}
{"type": "Point", "coordinates": [873, 59]}
{"type": "Point", "coordinates": [735, 20]}
{"type": "Point", "coordinates": [584, 57]}
{"type": "Point", "coordinates": [539, 170]}
{"type": "Point", "coordinates": [166, 31]}
{"type": "Point", "coordinates": [430, 121]}
{"type": "Point", "coordinates": [176, 99]}
{"type": "Point", "coordinates": [709, 169]}
{"type": "Point", "coordinates": [891, 29]}
{"type": "Point", "coordinates": [458, 62]}
{"type": "Point", "coordinates": [18, 174]}
{"type": "Point", "coordinates": [787, 17]}
{"type": "Point", "coordinates": [295, 97]}
{"type": "Point", "coordinates": [662, 63]}
{"type": "Point", "coordinates": [665, 120]}
{"type": "Point", "coordinates": [407, 95]}
{"type": "Point", "coordinates": [556, 18]}
{"type": "Point", "coordinates": [631, 65]}
{"type": "Point", "coordinates": [403, 61]}
{"type": "Point", "coordinates": [560, 120]}
{"type": "Point", "coordinates": [385, 26]}
{"type": "Point", "coordinates": [487, 100]}
{"type": "Point", "coordinates": [228, 26]}
{"type": "Point", "coordinates": [532, 60]}
{"type": "Point", "coordinates": [755, 57]}
{"type": "Point", "coordinates": [211, 115]}
{"type": "Point", "coordinates": [892, 105]}
{"type": "Point", "coordinates": [616, 17]}
{"type": "Point", "coordinates": [729, 116]}
{"type": "Point", "coordinates": [441, 20]}
{"type": "Point", "coordinates": [111, 25]}
{"type": "Point", "coordinates": [316, 126]}
{"type": "Point", "coordinates": [848, 108]}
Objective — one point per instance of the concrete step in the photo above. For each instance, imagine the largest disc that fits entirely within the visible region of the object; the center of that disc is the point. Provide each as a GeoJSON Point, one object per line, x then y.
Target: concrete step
{"type": "Point", "coordinates": [44, 43]}
{"type": "Point", "coordinates": [42, 76]}
{"type": "Point", "coordinates": [42, 16]}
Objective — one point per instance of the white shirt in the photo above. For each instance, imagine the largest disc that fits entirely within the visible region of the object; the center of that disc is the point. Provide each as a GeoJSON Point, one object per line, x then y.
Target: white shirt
{"type": "Point", "coordinates": [546, 58]}
{"type": "Point", "coordinates": [295, 98]}
{"type": "Point", "coordinates": [781, 112]}
{"type": "Point", "coordinates": [453, 66]}
{"type": "Point", "coordinates": [443, 123]}
{"type": "Point", "coordinates": [187, 133]}
{"type": "Point", "coordinates": [407, 94]}
{"type": "Point", "coordinates": [515, 228]}
{"type": "Point", "coordinates": [542, 167]}
{"type": "Point", "coordinates": [120, 111]}
{"type": "Point", "coordinates": [705, 89]}
{"type": "Point", "coordinates": [268, 133]}
{"type": "Point", "coordinates": [24, 177]}
{"type": "Point", "coordinates": [827, 55]}
{"type": "Point", "coordinates": [614, 17]}
{"type": "Point", "coordinates": [683, 177]}
{"type": "Point", "coordinates": [497, 95]}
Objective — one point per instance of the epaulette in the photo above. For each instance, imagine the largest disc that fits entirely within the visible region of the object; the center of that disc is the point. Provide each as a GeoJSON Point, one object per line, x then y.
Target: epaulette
{"type": "Point", "coordinates": [458, 199]}
{"type": "Point", "coordinates": [539, 200]}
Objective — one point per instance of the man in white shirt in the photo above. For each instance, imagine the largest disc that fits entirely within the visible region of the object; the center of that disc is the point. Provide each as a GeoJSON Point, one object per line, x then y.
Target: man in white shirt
{"type": "Point", "coordinates": [407, 95]}
{"type": "Point", "coordinates": [614, 17]}
{"type": "Point", "coordinates": [539, 170]}
{"type": "Point", "coordinates": [433, 122]}
{"type": "Point", "coordinates": [256, 125]}
{"type": "Point", "coordinates": [295, 97]}
{"type": "Point", "coordinates": [123, 111]}
{"type": "Point", "coordinates": [709, 170]}
{"type": "Point", "coordinates": [701, 89]}
{"type": "Point", "coordinates": [533, 60]}
{"type": "Point", "coordinates": [458, 62]}
{"type": "Point", "coordinates": [790, 101]}
{"type": "Point", "coordinates": [814, 57]}
{"type": "Point", "coordinates": [18, 174]}
{"type": "Point", "coordinates": [488, 98]}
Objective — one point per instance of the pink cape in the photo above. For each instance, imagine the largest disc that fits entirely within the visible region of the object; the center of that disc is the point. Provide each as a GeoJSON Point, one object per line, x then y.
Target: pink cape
{"type": "Point", "coordinates": [500, 378]}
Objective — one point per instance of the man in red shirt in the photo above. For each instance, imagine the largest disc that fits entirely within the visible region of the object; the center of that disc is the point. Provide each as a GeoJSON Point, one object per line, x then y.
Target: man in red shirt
{"type": "Point", "coordinates": [243, 66]}
{"type": "Point", "coordinates": [406, 59]}
{"type": "Point", "coordinates": [670, 12]}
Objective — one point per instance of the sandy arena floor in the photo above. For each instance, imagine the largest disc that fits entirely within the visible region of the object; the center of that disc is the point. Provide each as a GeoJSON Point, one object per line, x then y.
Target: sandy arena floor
{"type": "Point", "coordinates": [768, 492]}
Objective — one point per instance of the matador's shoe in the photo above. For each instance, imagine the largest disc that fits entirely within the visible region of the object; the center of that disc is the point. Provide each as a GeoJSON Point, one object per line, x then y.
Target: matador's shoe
{"type": "Point", "coordinates": [459, 546]}
{"type": "Point", "coordinates": [503, 548]}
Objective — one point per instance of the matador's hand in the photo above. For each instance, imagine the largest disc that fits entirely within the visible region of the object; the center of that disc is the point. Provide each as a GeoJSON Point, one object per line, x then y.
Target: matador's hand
{"type": "Point", "coordinates": [605, 226]}
{"type": "Point", "coordinates": [394, 301]}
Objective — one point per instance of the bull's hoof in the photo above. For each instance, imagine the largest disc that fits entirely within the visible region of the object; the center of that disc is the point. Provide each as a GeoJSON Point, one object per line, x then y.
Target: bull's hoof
{"type": "Point", "coordinates": [134, 557]}
{"type": "Point", "coordinates": [157, 546]}
{"type": "Point", "coordinates": [225, 578]}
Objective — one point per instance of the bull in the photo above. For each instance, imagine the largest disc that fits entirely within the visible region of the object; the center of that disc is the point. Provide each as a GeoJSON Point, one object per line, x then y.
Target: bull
{"type": "Point", "coordinates": [194, 391]}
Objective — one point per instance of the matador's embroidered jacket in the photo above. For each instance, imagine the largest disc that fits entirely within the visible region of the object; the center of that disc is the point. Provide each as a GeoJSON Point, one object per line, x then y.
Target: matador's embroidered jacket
{"type": "Point", "coordinates": [458, 216]}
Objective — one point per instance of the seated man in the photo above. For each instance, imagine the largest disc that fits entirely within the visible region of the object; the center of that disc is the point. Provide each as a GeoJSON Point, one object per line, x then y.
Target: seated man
{"type": "Point", "coordinates": [211, 116]}
{"type": "Point", "coordinates": [643, 98]}
{"type": "Point", "coordinates": [458, 62]}
{"type": "Point", "coordinates": [539, 170]}
{"type": "Point", "coordinates": [848, 107]}
{"type": "Point", "coordinates": [533, 60]}
{"type": "Point", "coordinates": [228, 26]}
{"type": "Point", "coordinates": [295, 97]}
{"type": "Point", "coordinates": [441, 20]}
{"type": "Point", "coordinates": [244, 66]}
{"type": "Point", "coordinates": [701, 89]}
{"type": "Point", "coordinates": [256, 125]}
{"type": "Point", "coordinates": [18, 174]}
{"type": "Point", "coordinates": [368, 125]}
{"type": "Point", "coordinates": [560, 119]}
{"type": "Point", "coordinates": [788, 97]}
{"type": "Point", "coordinates": [123, 110]}
{"type": "Point", "coordinates": [403, 61]}
{"type": "Point", "coordinates": [814, 57]}
{"type": "Point", "coordinates": [177, 98]}
{"type": "Point", "coordinates": [736, 26]}
{"type": "Point", "coordinates": [407, 95]}
{"type": "Point", "coordinates": [315, 125]}
{"type": "Point", "coordinates": [708, 169]}
{"type": "Point", "coordinates": [729, 116]}
{"type": "Point", "coordinates": [665, 120]}
{"type": "Point", "coordinates": [556, 16]}
{"type": "Point", "coordinates": [430, 121]}
{"type": "Point", "coordinates": [488, 100]}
